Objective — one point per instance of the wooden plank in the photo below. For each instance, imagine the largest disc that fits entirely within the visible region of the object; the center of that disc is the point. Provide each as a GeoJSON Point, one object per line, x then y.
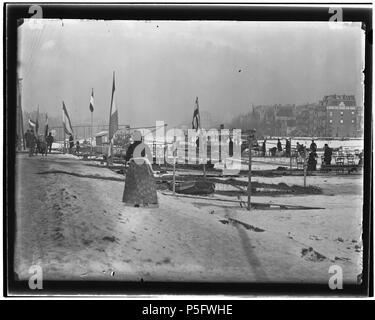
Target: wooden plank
{"type": "Point", "coordinates": [254, 204]}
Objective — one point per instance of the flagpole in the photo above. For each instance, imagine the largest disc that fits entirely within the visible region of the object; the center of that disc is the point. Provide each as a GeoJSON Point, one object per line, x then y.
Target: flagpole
{"type": "Point", "coordinates": [91, 136]}
{"type": "Point", "coordinates": [111, 153]}
{"type": "Point", "coordinates": [200, 145]}
{"type": "Point", "coordinates": [63, 119]}
{"type": "Point", "coordinates": [37, 121]}
{"type": "Point", "coordinates": [112, 130]}
{"type": "Point", "coordinates": [64, 141]}
{"type": "Point", "coordinates": [92, 114]}
{"type": "Point", "coordinates": [174, 165]}
{"type": "Point", "coordinates": [204, 158]}
{"type": "Point", "coordinates": [109, 129]}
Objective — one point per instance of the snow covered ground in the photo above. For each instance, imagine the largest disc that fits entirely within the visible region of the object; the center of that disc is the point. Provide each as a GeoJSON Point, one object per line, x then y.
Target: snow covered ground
{"type": "Point", "coordinates": [72, 222]}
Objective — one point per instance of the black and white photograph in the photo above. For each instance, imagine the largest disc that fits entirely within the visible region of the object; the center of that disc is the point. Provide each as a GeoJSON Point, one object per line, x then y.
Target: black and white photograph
{"type": "Point", "coordinates": [190, 151]}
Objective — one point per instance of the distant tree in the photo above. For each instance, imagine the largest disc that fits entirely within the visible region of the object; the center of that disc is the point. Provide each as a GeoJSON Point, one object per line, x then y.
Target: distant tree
{"type": "Point", "coordinates": [247, 121]}
{"type": "Point", "coordinates": [122, 139]}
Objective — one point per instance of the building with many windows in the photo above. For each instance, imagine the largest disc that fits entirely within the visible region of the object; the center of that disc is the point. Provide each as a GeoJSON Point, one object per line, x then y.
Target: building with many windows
{"type": "Point", "coordinates": [333, 116]}
{"type": "Point", "coordinates": [343, 117]}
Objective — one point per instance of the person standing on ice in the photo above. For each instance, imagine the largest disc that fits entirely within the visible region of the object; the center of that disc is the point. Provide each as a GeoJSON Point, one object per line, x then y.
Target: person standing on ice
{"type": "Point", "coordinates": [27, 138]}
{"type": "Point", "coordinates": [311, 162]}
{"type": "Point", "coordinates": [137, 140]}
{"type": "Point", "coordinates": [264, 147]}
{"type": "Point", "coordinates": [32, 143]}
{"type": "Point", "coordinates": [360, 156]}
{"type": "Point", "coordinates": [279, 146]}
{"type": "Point", "coordinates": [313, 146]}
{"type": "Point", "coordinates": [287, 148]}
{"type": "Point", "coordinates": [49, 140]}
{"type": "Point", "coordinates": [71, 143]}
{"type": "Point", "coordinates": [77, 147]}
{"type": "Point", "coordinates": [230, 147]}
{"type": "Point", "coordinates": [301, 149]}
{"type": "Point", "coordinates": [327, 154]}
{"type": "Point", "coordinates": [140, 185]}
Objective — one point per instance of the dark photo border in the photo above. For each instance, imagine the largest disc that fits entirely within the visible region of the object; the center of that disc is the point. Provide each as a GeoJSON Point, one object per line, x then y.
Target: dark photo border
{"type": "Point", "coordinates": [13, 15]}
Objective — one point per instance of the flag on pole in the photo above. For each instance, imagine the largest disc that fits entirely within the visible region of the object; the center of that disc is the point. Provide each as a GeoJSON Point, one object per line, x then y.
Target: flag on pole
{"type": "Point", "coordinates": [92, 101]}
{"type": "Point", "coordinates": [113, 117]}
{"type": "Point", "coordinates": [66, 121]}
{"type": "Point", "coordinates": [196, 117]}
{"type": "Point", "coordinates": [46, 126]}
{"type": "Point", "coordinates": [32, 123]}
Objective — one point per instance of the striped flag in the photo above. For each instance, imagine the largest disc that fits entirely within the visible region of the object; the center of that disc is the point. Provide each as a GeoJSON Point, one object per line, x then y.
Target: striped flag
{"type": "Point", "coordinates": [46, 126]}
{"type": "Point", "coordinates": [113, 117]}
{"type": "Point", "coordinates": [66, 121]}
{"type": "Point", "coordinates": [92, 101]}
{"type": "Point", "coordinates": [32, 123]}
{"type": "Point", "coordinates": [196, 117]}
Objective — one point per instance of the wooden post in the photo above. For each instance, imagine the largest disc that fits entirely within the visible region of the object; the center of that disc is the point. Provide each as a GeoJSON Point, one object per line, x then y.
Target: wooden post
{"type": "Point", "coordinates": [304, 167]}
{"type": "Point", "coordinates": [249, 176]}
{"type": "Point", "coordinates": [110, 159]}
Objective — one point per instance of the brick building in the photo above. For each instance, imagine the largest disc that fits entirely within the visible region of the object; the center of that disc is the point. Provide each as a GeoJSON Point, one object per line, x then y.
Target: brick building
{"type": "Point", "coordinates": [343, 117]}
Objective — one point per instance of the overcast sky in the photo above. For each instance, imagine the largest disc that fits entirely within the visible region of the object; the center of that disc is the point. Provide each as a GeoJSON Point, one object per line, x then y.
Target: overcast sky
{"type": "Point", "coordinates": [162, 66]}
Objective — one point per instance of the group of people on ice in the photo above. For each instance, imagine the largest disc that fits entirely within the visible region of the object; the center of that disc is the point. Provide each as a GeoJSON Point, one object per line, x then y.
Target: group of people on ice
{"type": "Point", "coordinates": [71, 145]}
{"type": "Point", "coordinates": [311, 161]}
{"type": "Point", "coordinates": [38, 144]}
{"type": "Point", "coordinates": [43, 144]}
{"type": "Point", "coordinates": [300, 149]}
{"type": "Point", "coordinates": [278, 149]}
